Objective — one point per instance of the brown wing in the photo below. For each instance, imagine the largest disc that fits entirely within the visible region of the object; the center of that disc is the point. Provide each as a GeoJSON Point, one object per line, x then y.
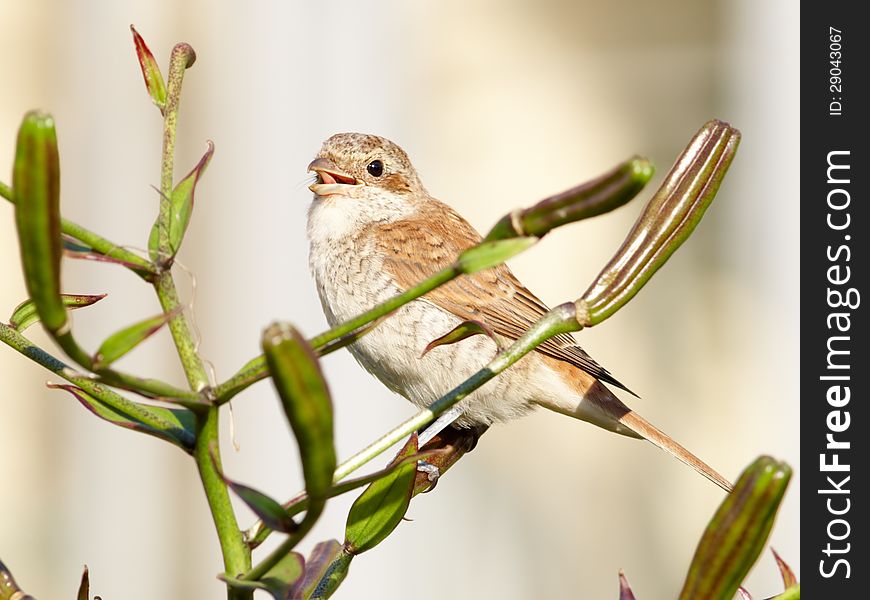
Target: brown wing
{"type": "Point", "coordinates": [416, 248]}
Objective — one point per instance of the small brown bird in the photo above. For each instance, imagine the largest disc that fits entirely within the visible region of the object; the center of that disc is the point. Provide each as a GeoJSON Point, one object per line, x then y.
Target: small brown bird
{"type": "Point", "coordinates": [375, 231]}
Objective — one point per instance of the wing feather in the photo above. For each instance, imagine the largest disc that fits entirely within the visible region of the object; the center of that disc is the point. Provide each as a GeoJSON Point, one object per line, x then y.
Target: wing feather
{"type": "Point", "coordinates": [495, 296]}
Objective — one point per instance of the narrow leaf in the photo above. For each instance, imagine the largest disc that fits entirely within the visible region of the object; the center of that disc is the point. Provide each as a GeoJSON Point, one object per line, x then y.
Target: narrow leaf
{"type": "Point", "coordinates": [84, 592]}
{"type": "Point", "coordinates": [150, 71]}
{"type": "Point", "coordinates": [175, 425]}
{"type": "Point", "coordinates": [73, 249]}
{"type": "Point", "coordinates": [744, 594]}
{"type": "Point", "coordinates": [305, 398]}
{"type": "Point", "coordinates": [788, 577]}
{"type": "Point", "coordinates": [121, 342]}
{"type": "Point", "coordinates": [601, 195]}
{"type": "Point", "coordinates": [182, 201]}
{"type": "Point", "coordinates": [738, 531]}
{"type": "Point", "coordinates": [490, 254]}
{"type": "Point", "coordinates": [325, 568]}
{"type": "Point", "coordinates": [36, 188]}
{"type": "Point", "coordinates": [269, 510]}
{"type": "Point", "coordinates": [278, 580]}
{"type": "Point", "coordinates": [25, 314]}
{"type": "Point", "coordinates": [625, 592]}
{"type": "Point", "coordinates": [379, 510]}
{"type": "Point", "coordinates": [464, 330]}
{"type": "Point", "coordinates": [666, 221]}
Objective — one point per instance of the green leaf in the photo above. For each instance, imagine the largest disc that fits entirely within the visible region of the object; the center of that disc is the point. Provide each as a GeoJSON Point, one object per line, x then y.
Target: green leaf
{"type": "Point", "coordinates": [464, 330]}
{"type": "Point", "coordinates": [491, 254]}
{"type": "Point", "coordinates": [265, 507]}
{"type": "Point", "coordinates": [738, 531]}
{"type": "Point", "coordinates": [25, 314]}
{"type": "Point", "coordinates": [182, 201]}
{"type": "Point", "coordinates": [601, 195]}
{"type": "Point", "coordinates": [84, 592]}
{"type": "Point", "coordinates": [150, 71]}
{"type": "Point", "coordinates": [181, 207]}
{"type": "Point", "coordinates": [379, 510]}
{"type": "Point", "coordinates": [278, 580]}
{"type": "Point", "coordinates": [305, 398]}
{"type": "Point", "coordinates": [175, 425]}
{"type": "Point", "coordinates": [121, 342]}
{"type": "Point", "coordinates": [325, 569]}
{"type": "Point", "coordinates": [36, 189]}
{"type": "Point", "coordinates": [666, 221]}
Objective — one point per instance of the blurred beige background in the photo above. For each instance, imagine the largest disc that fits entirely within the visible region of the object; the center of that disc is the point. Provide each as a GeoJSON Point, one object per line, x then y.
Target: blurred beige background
{"type": "Point", "coordinates": [498, 104]}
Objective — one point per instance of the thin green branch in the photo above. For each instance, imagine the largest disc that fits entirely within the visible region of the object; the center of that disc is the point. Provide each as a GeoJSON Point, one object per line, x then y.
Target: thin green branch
{"type": "Point", "coordinates": [182, 57]}
{"type": "Point", "coordinates": [18, 342]}
{"type": "Point", "coordinates": [324, 343]}
{"type": "Point", "coordinates": [561, 319]}
{"type": "Point", "coordinates": [142, 267]}
{"type": "Point", "coordinates": [605, 193]}
{"type": "Point", "coordinates": [236, 554]}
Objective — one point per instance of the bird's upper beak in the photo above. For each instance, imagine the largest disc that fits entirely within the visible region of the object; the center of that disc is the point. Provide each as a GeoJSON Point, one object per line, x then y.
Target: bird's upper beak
{"type": "Point", "coordinates": [331, 179]}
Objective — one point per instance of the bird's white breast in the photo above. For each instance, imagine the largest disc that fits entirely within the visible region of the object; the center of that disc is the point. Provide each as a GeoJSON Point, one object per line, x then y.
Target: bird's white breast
{"type": "Point", "coordinates": [350, 279]}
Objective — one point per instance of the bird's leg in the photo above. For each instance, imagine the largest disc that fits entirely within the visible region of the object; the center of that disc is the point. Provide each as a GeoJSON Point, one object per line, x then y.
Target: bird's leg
{"type": "Point", "coordinates": [453, 442]}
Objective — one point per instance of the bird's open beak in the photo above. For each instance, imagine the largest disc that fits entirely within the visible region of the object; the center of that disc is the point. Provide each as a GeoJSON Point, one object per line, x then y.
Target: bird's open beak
{"type": "Point", "coordinates": [330, 179]}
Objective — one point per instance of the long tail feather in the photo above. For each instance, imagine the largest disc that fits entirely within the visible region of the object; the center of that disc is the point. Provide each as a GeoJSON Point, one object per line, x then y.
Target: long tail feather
{"type": "Point", "coordinates": [648, 431]}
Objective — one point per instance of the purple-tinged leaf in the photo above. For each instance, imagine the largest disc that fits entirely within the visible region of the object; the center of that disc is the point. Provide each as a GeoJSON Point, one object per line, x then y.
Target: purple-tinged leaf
{"type": "Point", "coordinates": [25, 314]}
{"type": "Point", "coordinates": [325, 568]}
{"type": "Point", "coordinates": [278, 580]}
{"type": "Point", "coordinates": [121, 342]}
{"type": "Point", "coordinates": [150, 71]}
{"type": "Point", "coordinates": [625, 592]}
{"type": "Point", "coordinates": [788, 576]}
{"type": "Point", "coordinates": [269, 510]}
{"type": "Point", "coordinates": [84, 592]}
{"type": "Point", "coordinates": [745, 595]}
{"type": "Point", "coordinates": [381, 507]}
{"type": "Point", "coordinates": [73, 249]}
{"type": "Point", "coordinates": [175, 425]}
{"type": "Point", "coordinates": [464, 330]}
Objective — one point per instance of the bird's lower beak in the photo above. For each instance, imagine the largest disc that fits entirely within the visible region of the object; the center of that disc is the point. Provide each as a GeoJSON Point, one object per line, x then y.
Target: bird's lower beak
{"type": "Point", "coordinates": [330, 179]}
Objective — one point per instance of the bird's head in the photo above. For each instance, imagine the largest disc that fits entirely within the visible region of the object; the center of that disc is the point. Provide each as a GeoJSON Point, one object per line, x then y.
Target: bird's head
{"type": "Point", "coordinates": [357, 164]}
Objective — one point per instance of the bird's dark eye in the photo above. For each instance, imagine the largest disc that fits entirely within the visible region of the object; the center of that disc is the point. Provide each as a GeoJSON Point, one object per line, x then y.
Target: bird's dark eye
{"type": "Point", "coordinates": [375, 168]}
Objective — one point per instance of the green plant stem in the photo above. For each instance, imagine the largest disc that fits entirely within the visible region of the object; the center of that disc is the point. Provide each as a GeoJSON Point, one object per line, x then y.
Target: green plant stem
{"type": "Point", "coordinates": [236, 555]}
{"type": "Point", "coordinates": [561, 319]}
{"type": "Point", "coordinates": [256, 369]}
{"type": "Point", "coordinates": [182, 57]}
{"type": "Point", "coordinates": [18, 342]}
{"type": "Point", "coordinates": [193, 366]}
{"type": "Point", "coordinates": [142, 267]}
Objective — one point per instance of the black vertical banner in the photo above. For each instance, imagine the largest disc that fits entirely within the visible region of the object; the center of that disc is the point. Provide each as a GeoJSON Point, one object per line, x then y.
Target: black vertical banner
{"type": "Point", "coordinates": [835, 357]}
